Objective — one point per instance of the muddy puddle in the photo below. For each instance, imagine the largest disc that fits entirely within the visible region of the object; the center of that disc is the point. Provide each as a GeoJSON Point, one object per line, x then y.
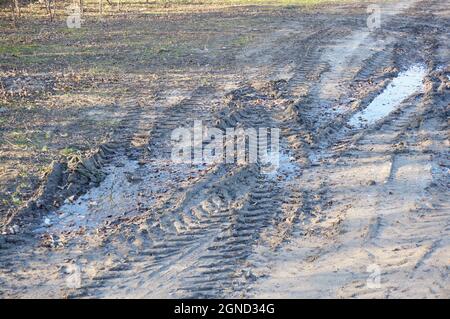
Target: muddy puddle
{"type": "Point", "coordinates": [129, 189]}
{"type": "Point", "coordinates": [132, 187]}
{"type": "Point", "coordinates": [286, 168]}
{"type": "Point", "coordinates": [403, 86]}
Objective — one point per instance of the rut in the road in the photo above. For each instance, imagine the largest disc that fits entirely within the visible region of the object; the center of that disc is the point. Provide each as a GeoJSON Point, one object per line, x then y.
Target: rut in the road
{"type": "Point", "coordinates": [217, 220]}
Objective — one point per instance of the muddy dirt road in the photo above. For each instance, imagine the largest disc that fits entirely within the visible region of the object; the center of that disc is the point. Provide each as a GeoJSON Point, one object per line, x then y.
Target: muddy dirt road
{"type": "Point", "coordinates": [358, 207]}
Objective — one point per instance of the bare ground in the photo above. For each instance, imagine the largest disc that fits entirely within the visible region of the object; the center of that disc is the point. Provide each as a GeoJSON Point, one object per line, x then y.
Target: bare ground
{"type": "Point", "coordinates": [117, 218]}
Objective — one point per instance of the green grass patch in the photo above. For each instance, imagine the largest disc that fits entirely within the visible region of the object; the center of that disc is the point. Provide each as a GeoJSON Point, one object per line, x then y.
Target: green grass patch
{"type": "Point", "coordinates": [69, 151]}
{"type": "Point", "coordinates": [17, 49]}
{"type": "Point", "coordinates": [35, 139]}
{"type": "Point", "coordinates": [242, 40]}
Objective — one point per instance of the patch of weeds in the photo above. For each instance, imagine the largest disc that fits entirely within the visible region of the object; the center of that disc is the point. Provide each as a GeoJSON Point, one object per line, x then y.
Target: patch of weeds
{"type": "Point", "coordinates": [207, 80]}
{"type": "Point", "coordinates": [37, 140]}
{"type": "Point", "coordinates": [103, 68]}
{"type": "Point", "coordinates": [69, 152]}
{"type": "Point", "coordinates": [15, 199]}
{"type": "Point", "coordinates": [20, 139]}
{"type": "Point", "coordinates": [241, 41]}
{"type": "Point", "coordinates": [163, 49]}
{"type": "Point", "coordinates": [154, 51]}
{"type": "Point", "coordinates": [17, 49]}
{"type": "Point", "coordinates": [5, 202]}
{"type": "Point", "coordinates": [74, 33]}
{"type": "Point", "coordinates": [22, 174]}
{"type": "Point", "coordinates": [44, 170]}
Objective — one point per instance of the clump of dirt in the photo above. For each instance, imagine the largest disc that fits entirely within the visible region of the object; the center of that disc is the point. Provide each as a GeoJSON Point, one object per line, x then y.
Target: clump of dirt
{"type": "Point", "coordinates": [65, 179]}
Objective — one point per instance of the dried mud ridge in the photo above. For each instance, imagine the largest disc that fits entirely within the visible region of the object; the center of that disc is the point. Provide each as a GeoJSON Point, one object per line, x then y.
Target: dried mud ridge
{"type": "Point", "coordinates": [67, 179]}
{"type": "Point", "coordinates": [343, 196]}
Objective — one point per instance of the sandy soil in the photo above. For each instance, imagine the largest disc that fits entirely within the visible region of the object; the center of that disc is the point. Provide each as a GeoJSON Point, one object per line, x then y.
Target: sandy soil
{"type": "Point", "coordinates": [358, 208]}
